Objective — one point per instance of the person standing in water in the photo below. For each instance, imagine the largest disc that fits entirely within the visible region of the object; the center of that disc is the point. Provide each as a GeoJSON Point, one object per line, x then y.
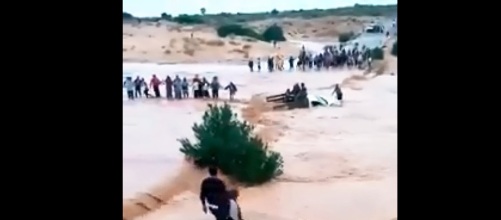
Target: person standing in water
{"type": "Point", "coordinates": [339, 94]}
{"type": "Point", "coordinates": [215, 87]}
{"type": "Point", "coordinates": [155, 84]}
{"type": "Point", "coordinates": [146, 89]}
{"type": "Point", "coordinates": [184, 86]}
{"type": "Point", "coordinates": [270, 64]}
{"type": "Point", "coordinates": [168, 87]}
{"type": "Point", "coordinates": [258, 64]}
{"type": "Point", "coordinates": [137, 84]}
{"type": "Point", "coordinates": [129, 86]}
{"type": "Point", "coordinates": [214, 196]}
{"type": "Point", "coordinates": [235, 211]}
{"type": "Point", "coordinates": [233, 90]}
{"type": "Point", "coordinates": [251, 65]}
{"type": "Point", "coordinates": [204, 87]}
{"type": "Point", "coordinates": [177, 88]}
{"type": "Point", "coordinates": [196, 87]}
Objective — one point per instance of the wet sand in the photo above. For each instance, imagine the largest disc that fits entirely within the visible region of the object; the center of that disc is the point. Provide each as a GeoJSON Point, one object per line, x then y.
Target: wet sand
{"type": "Point", "coordinates": [340, 163]}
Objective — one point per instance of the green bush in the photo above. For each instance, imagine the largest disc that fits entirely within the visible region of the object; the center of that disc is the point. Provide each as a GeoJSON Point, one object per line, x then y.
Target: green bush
{"type": "Point", "coordinates": [274, 33]}
{"type": "Point", "coordinates": [237, 29]}
{"type": "Point", "coordinates": [394, 49]}
{"type": "Point", "coordinates": [228, 144]}
{"type": "Point", "coordinates": [377, 53]}
{"type": "Point", "coordinates": [345, 37]}
{"type": "Point", "coordinates": [166, 16]}
{"type": "Point", "coordinates": [127, 16]}
{"type": "Point", "coordinates": [189, 19]}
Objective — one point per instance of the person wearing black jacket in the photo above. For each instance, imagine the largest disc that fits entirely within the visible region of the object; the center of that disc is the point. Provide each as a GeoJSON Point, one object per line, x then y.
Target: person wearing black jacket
{"type": "Point", "coordinates": [213, 195]}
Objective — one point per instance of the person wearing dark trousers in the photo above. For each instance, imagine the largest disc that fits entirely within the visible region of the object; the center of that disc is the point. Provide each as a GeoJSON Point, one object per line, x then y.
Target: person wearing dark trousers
{"type": "Point", "coordinates": [215, 87]}
{"type": "Point", "coordinates": [155, 84]}
{"type": "Point", "coordinates": [214, 196]}
{"type": "Point", "coordinates": [138, 84]}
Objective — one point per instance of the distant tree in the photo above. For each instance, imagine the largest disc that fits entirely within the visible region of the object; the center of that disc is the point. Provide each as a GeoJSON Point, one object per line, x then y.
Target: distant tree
{"type": "Point", "coordinates": [239, 30]}
{"type": "Point", "coordinates": [274, 12]}
{"type": "Point", "coordinates": [126, 15]}
{"type": "Point", "coordinates": [274, 33]}
{"type": "Point", "coordinates": [202, 11]}
{"type": "Point", "coordinates": [188, 19]}
{"type": "Point", "coordinates": [166, 16]}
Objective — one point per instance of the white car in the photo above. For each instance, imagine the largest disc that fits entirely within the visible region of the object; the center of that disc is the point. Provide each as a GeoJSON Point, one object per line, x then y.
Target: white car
{"type": "Point", "coordinates": [321, 100]}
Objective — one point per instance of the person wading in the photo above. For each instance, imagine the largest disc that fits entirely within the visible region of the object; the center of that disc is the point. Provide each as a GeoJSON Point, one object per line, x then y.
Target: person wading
{"type": "Point", "coordinates": [129, 86]}
{"type": "Point", "coordinates": [168, 87]}
{"type": "Point", "coordinates": [251, 65]}
{"type": "Point", "coordinates": [235, 212]}
{"type": "Point", "coordinates": [233, 90]}
{"type": "Point", "coordinates": [155, 83]}
{"type": "Point", "coordinates": [184, 86]}
{"type": "Point", "coordinates": [215, 87]}
{"type": "Point", "coordinates": [177, 84]}
{"type": "Point", "coordinates": [258, 64]}
{"type": "Point", "coordinates": [196, 87]}
{"type": "Point", "coordinates": [137, 84]}
{"type": "Point", "coordinates": [339, 94]}
{"type": "Point", "coordinates": [146, 89]}
{"type": "Point", "coordinates": [204, 87]}
{"type": "Point", "coordinates": [214, 196]}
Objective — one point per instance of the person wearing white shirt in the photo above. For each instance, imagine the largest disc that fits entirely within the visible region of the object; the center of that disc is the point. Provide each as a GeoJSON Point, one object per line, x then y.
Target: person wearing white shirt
{"type": "Point", "coordinates": [235, 212]}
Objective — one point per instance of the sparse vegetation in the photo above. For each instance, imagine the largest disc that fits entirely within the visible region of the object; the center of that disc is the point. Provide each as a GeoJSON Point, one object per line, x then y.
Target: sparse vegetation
{"type": "Point", "coordinates": [377, 53]}
{"type": "Point", "coordinates": [345, 37]}
{"type": "Point", "coordinates": [188, 19]}
{"type": "Point", "coordinates": [228, 144]}
{"type": "Point", "coordinates": [394, 49]}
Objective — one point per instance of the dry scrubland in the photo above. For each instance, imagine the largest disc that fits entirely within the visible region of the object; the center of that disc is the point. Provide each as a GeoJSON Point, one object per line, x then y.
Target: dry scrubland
{"type": "Point", "coordinates": [169, 40]}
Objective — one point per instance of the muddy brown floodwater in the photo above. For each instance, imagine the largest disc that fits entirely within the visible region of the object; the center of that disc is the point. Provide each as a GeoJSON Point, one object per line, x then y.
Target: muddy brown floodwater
{"type": "Point", "coordinates": [340, 163]}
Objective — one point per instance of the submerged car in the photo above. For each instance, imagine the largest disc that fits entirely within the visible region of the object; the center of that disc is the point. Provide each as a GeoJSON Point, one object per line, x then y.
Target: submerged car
{"type": "Point", "coordinates": [321, 101]}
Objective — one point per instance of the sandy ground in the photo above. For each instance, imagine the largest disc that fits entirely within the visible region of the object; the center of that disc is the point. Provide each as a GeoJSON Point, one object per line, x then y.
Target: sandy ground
{"type": "Point", "coordinates": [166, 42]}
{"type": "Point", "coordinates": [340, 163]}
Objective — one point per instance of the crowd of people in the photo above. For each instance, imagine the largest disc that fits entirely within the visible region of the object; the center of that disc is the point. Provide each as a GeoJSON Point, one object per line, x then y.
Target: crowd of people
{"type": "Point", "coordinates": [331, 57]}
{"type": "Point", "coordinates": [176, 88]}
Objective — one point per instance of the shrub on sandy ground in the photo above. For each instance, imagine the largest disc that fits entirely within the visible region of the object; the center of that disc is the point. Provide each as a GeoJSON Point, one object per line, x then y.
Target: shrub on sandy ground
{"type": "Point", "coordinates": [239, 30]}
{"type": "Point", "coordinates": [394, 49]}
{"type": "Point", "coordinates": [228, 144]}
{"type": "Point", "coordinates": [189, 19]}
{"type": "Point", "coordinates": [345, 37]}
{"type": "Point", "coordinates": [166, 16]}
{"type": "Point", "coordinates": [127, 16]}
{"type": "Point", "coordinates": [273, 33]}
